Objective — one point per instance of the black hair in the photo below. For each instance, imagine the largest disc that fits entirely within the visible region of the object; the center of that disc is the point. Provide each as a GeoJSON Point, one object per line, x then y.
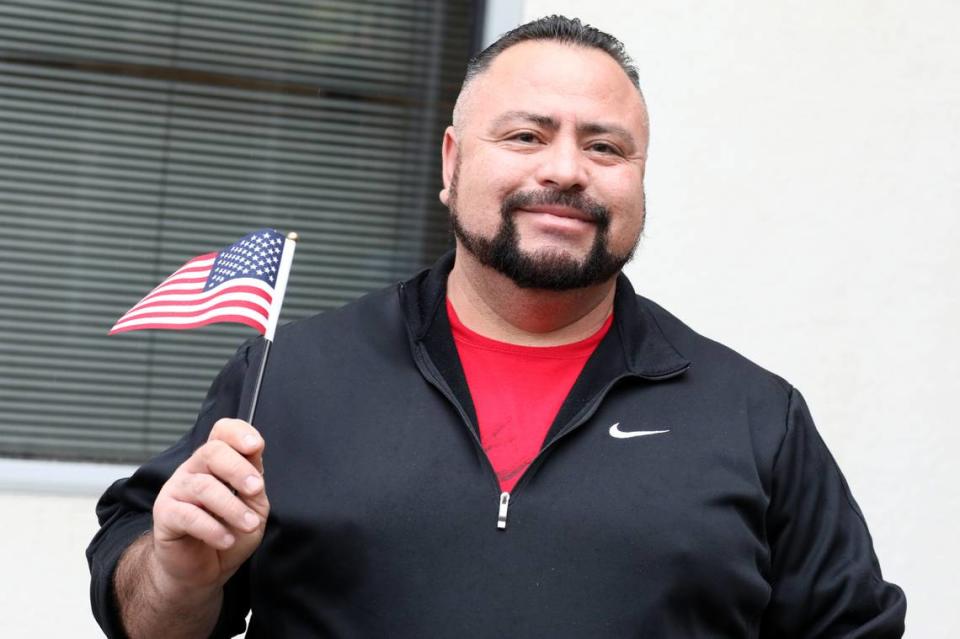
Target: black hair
{"type": "Point", "coordinates": [557, 29]}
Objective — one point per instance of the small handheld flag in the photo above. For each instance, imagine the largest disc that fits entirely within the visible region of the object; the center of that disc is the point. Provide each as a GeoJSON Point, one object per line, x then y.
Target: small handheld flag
{"type": "Point", "coordinates": [245, 283]}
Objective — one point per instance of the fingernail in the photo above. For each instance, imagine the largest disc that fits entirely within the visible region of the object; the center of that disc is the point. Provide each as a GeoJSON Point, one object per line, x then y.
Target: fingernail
{"type": "Point", "coordinates": [228, 540]}
{"type": "Point", "coordinates": [251, 520]}
{"type": "Point", "coordinates": [251, 440]}
{"type": "Point", "coordinates": [252, 483]}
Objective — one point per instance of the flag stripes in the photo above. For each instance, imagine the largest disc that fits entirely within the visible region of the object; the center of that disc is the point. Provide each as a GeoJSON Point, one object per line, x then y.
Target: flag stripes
{"type": "Point", "coordinates": [233, 285]}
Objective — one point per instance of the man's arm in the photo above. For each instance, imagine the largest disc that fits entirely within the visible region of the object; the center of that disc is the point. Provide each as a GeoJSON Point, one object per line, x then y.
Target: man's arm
{"type": "Point", "coordinates": [126, 511]}
{"type": "Point", "coordinates": [825, 576]}
{"type": "Point", "coordinates": [170, 582]}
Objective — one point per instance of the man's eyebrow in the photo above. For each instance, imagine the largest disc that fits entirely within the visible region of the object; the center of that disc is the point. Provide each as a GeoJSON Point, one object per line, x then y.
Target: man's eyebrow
{"type": "Point", "coordinates": [543, 121]}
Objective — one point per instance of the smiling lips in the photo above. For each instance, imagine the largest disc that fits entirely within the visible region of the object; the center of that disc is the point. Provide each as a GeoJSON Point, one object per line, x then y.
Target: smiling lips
{"type": "Point", "coordinates": [564, 216]}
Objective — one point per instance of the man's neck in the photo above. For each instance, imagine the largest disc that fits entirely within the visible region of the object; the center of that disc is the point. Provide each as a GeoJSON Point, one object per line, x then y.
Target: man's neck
{"type": "Point", "coordinates": [492, 305]}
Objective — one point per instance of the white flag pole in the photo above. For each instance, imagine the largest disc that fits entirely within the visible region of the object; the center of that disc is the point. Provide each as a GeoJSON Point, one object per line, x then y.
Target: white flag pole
{"type": "Point", "coordinates": [279, 290]}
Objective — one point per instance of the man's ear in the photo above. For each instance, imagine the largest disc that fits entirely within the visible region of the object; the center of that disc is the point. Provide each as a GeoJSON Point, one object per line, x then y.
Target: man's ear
{"type": "Point", "coordinates": [449, 153]}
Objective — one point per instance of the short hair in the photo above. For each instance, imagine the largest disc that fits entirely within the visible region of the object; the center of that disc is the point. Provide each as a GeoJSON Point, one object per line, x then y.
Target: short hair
{"type": "Point", "coordinates": [560, 29]}
{"type": "Point", "coordinates": [555, 28]}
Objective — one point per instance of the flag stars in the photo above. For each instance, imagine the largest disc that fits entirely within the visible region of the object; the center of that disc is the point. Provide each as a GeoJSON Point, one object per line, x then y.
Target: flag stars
{"type": "Point", "coordinates": [254, 256]}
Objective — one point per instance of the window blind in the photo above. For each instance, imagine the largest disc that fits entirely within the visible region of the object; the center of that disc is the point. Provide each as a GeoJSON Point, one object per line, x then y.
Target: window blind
{"type": "Point", "coordinates": [136, 134]}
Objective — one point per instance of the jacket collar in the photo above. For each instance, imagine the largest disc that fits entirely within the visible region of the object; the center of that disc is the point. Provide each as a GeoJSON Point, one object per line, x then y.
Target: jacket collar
{"type": "Point", "coordinates": [646, 351]}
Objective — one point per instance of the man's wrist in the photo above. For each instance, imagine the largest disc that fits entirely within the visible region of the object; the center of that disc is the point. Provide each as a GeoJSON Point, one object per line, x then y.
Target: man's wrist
{"type": "Point", "coordinates": [151, 601]}
{"type": "Point", "coordinates": [174, 593]}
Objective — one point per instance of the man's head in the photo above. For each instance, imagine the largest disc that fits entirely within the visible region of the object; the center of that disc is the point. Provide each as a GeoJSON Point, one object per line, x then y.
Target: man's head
{"type": "Point", "coordinates": [543, 167]}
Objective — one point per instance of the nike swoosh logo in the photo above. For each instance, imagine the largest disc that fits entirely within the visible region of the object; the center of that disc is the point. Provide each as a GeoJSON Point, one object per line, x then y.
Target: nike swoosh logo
{"type": "Point", "coordinates": [619, 434]}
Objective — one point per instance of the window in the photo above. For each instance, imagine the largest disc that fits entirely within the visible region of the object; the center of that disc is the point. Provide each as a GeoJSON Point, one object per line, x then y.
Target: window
{"type": "Point", "coordinates": [136, 134]}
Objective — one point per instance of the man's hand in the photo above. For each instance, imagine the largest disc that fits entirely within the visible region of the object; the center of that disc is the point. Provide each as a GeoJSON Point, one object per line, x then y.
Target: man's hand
{"type": "Point", "coordinates": [209, 516]}
{"type": "Point", "coordinates": [207, 520]}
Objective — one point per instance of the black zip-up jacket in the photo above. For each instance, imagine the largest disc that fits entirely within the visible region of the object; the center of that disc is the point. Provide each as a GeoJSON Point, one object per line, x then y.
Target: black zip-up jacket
{"type": "Point", "coordinates": [736, 522]}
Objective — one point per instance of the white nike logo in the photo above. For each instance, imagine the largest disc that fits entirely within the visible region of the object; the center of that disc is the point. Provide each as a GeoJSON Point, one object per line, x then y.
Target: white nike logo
{"type": "Point", "coordinates": [619, 434]}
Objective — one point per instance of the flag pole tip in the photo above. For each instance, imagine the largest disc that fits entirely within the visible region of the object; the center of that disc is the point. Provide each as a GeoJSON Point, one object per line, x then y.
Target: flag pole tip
{"type": "Point", "coordinates": [292, 236]}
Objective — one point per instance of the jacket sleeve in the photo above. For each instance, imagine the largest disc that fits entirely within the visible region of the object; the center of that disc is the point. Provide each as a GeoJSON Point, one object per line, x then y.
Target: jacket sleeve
{"type": "Point", "coordinates": [825, 576]}
{"type": "Point", "coordinates": [125, 511]}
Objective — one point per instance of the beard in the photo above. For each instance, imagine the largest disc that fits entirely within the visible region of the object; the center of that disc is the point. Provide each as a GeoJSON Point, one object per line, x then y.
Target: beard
{"type": "Point", "coordinates": [546, 269]}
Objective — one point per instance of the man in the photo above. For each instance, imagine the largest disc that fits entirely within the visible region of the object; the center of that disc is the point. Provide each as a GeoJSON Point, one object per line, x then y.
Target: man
{"type": "Point", "coordinates": [511, 443]}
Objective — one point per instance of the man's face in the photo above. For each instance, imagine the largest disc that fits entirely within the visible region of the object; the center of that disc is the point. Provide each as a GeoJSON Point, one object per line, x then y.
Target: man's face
{"type": "Point", "coordinates": [544, 173]}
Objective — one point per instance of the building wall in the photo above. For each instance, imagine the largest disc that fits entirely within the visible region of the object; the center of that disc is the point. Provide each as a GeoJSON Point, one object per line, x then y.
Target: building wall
{"type": "Point", "coordinates": [803, 189]}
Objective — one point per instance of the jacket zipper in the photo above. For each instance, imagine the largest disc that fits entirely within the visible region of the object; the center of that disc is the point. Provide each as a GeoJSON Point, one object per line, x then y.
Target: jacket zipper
{"type": "Point", "coordinates": [434, 377]}
{"type": "Point", "coordinates": [502, 513]}
{"type": "Point", "coordinates": [503, 499]}
{"type": "Point", "coordinates": [428, 370]}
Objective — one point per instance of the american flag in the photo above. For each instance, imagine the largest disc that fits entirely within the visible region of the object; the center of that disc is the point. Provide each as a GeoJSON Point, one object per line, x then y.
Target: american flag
{"type": "Point", "coordinates": [237, 284]}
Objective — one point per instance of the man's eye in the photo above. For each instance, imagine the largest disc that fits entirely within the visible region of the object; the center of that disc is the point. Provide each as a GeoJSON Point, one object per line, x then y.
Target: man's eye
{"type": "Point", "coordinates": [526, 137]}
{"type": "Point", "coordinates": [604, 148]}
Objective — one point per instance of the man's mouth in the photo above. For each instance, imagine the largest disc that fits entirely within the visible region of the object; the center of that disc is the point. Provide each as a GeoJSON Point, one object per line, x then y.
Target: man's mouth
{"type": "Point", "coordinates": [557, 210]}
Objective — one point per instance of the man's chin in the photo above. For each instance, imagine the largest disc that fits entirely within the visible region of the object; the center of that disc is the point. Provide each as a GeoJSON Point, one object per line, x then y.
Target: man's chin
{"type": "Point", "coordinates": [555, 257]}
{"type": "Point", "coordinates": [549, 270]}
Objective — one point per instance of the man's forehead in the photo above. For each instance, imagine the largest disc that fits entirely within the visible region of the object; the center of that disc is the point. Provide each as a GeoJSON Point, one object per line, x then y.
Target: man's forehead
{"type": "Point", "coordinates": [550, 121]}
{"type": "Point", "coordinates": [531, 76]}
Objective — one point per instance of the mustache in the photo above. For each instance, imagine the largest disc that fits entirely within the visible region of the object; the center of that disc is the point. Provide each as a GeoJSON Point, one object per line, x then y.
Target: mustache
{"type": "Point", "coordinates": [592, 209]}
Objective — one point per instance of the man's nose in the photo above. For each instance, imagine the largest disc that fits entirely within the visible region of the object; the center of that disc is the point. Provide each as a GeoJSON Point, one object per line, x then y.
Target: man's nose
{"type": "Point", "coordinates": [563, 167]}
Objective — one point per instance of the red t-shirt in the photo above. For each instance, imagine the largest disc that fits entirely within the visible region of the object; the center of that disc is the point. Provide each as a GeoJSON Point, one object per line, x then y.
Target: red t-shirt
{"type": "Point", "coordinates": [517, 392]}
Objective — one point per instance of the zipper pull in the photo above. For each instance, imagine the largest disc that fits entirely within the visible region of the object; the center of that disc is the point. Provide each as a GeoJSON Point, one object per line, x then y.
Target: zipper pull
{"type": "Point", "coordinates": [502, 515]}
